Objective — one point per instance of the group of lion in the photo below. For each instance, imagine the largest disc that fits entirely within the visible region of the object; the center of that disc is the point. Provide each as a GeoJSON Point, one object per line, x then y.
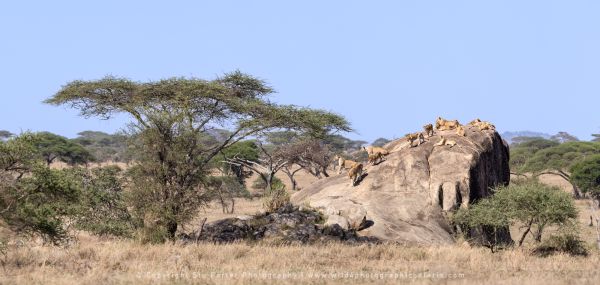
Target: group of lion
{"type": "Point", "coordinates": [377, 154]}
{"type": "Point", "coordinates": [446, 125]}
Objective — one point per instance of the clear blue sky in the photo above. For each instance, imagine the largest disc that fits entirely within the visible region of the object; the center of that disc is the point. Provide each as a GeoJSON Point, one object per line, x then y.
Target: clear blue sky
{"type": "Point", "coordinates": [388, 66]}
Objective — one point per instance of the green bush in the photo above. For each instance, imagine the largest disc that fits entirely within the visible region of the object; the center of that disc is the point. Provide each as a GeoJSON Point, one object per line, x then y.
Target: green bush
{"type": "Point", "coordinates": [103, 209]}
{"type": "Point", "coordinates": [531, 204]}
{"type": "Point", "coordinates": [568, 243]}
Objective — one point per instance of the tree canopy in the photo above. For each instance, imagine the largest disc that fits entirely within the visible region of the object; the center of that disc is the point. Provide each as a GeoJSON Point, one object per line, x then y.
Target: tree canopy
{"type": "Point", "coordinates": [105, 147]}
{"type": "Point", "coordinates": [173, 123]}
{"type": "Point", "coordinates": [5, 134]}
{"type": "Point", "coordinates": [563, 137]}
{"type": "Point", "coordinates": [34, 199]}
{"type": "Point", "coordinates": [53, 147]}
{"type": "Point", "coordinates": [524, 148]}
{"type": "Point", "coordinates": [586, 175]}
{"type": "Point", "coordinates": [531, 204]}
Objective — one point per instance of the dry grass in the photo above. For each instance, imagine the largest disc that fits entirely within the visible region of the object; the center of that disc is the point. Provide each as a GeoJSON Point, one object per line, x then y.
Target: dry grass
{"type": "Point", "coordinates": [93, 261]}
{"type": "Point", "coordinates": [101, 261]}
{"type": "Point", "coordinates": [124, 262]}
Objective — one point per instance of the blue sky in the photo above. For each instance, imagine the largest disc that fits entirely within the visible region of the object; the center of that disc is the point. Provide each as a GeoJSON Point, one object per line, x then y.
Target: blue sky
{"type": "Point", "coordinates": [388, 66]}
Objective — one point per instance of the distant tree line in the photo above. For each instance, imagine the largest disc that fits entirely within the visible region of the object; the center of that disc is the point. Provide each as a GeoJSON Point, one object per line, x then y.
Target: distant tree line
{"type": "Point", "coordinates": [562, 155]}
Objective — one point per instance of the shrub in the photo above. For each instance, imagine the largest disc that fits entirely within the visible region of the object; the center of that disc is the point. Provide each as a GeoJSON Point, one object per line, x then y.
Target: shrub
{"type": "Point", "coordinates": [529, 203]}
{"type": "Point", "coordinates": [568, 243]}
{"type": "Point", "coordinates": [103, 209]}
{"type": "Point", "coordinates": [275, 198]}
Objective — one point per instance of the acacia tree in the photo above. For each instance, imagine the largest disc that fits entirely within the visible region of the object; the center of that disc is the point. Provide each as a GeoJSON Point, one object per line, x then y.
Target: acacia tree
{"type": "Point", "coordinates": [53, 147]}
{"type": "Point", "coordinates": [523, 149]}
{"type": "Point", "coordinates": [586, 175]}
{"type": "Point", "coordinates": [288, 152]}
{"type": "Point", "coordinates": [530, 204]}
{"type": "Point", "coordinates": [563, 137]}
{"type": "Point", "coordinates": [4, 135]}
{"type": "Point", "coordinates": [557, 160]}
{"type": "Point", "coordinates": [308, 154]}
{"type": "Point", "coordinates": [171, 118]}
{"type": "Point", "coordinates": [269, 162]}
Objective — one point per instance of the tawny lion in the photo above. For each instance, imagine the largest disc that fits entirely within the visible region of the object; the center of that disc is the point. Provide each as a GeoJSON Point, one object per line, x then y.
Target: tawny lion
{"type": "Point", "coordinates": [344, 163]}
{"type": "Point", "coordinates": [415, 136]}
{"type": "Point", "coordinates": [428, 130]}
{"type": "Point", "coordinates": [355, 173]}
{"type": "Point", "coordinates": [460, 130]}
{"type": "Point", "coordinates": [443, 141]}
{"type": "Point", "coordinates": [443, 124]}
{"type": "Point", "coordinates": [375, 149]}
{"type": "Point", "coordinates": [375, 158]}
{"type": "Point", "coordinates": [482, 125]}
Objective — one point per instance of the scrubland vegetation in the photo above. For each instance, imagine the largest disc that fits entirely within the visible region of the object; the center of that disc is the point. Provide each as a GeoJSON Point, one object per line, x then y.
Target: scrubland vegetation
{"type": "Point", "coordinates": [191, 151]}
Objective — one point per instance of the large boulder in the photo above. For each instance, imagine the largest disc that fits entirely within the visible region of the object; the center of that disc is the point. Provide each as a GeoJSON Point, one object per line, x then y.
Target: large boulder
{"type": "Point", "coordinates": [406, 197]}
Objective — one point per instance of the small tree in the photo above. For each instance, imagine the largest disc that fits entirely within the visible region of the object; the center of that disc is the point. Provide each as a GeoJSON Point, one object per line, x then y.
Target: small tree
{"type": "Point", "coordinates": [536, 206]}
{"type": "Point", "coordinates": [489, 217]}
{"type": "Point", "coordinates": [246, 150]}
{"type": "Point", "coordinates": [586, 175]}
{"type": "Point", "coordinates": [269, 162]}
{"type": "Point", "coordinates": [531, 204]}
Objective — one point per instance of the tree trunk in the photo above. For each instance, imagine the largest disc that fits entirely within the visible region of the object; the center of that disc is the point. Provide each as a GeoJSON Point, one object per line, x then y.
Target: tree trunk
{"type": "Point", "coordinates": [576, 192]}
{"type": "Point", "coordinates": [538, 233]}
{"type": "Point", "coordinates": [171, 229]}
{"type": "Point", "coordinates": [290, 175]}
{"type": "Point", "coordinates": [269, 181]}
{"type": "Point", "coordinates": [325, 172]}
{"type": "Point", "coordinates": [292, 180]}
{"type": "Point", "coordinates": [525, 233]}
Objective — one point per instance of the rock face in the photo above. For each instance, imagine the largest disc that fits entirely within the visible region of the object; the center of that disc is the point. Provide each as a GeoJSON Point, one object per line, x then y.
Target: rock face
{"type": "Point", "coordinates": [405, 198]}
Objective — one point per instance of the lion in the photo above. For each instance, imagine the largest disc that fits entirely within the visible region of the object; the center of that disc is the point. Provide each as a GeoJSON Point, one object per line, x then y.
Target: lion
{"type": "Point", "coordinates": [486, 126]}
{"type": "Point", "coordinates": [482, 125]}
{"type": "Point", "coordinates": [344, 163]}
{"type": "Point", "coordinates": [376, 149]}
{"type": "Point", "coordinates": [443, 141]}
{"type": "Point", "coordinates": [428, 130]}
{"type": "Point", "coordinates": [460, 130]}
{"type": "Point", "coordinates": [475, 122]}
{"type": "Point", "coordinates": [355, 173]}
{"type": "Point", "coordinates": [375, 158]}
{"type": "Point", "coordinates": [443, 124]}
{"type": "Point", "coordinates": [415, 136]}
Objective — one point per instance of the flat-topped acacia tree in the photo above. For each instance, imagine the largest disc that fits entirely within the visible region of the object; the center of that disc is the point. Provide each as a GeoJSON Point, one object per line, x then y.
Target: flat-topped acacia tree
{"type": "Point", "coordinates": [172, 119]}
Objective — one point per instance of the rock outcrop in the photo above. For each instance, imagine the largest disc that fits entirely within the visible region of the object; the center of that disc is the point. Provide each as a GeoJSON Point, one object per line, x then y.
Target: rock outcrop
{"type": "Point", "coordinates": [406, 197]}
{"type": "Point", "coordinates": [289, 224]}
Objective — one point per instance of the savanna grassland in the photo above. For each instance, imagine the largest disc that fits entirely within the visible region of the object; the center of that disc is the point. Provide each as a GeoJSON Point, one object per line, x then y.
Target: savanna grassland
{"type": "Point", "coordinates": [93, 260]}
